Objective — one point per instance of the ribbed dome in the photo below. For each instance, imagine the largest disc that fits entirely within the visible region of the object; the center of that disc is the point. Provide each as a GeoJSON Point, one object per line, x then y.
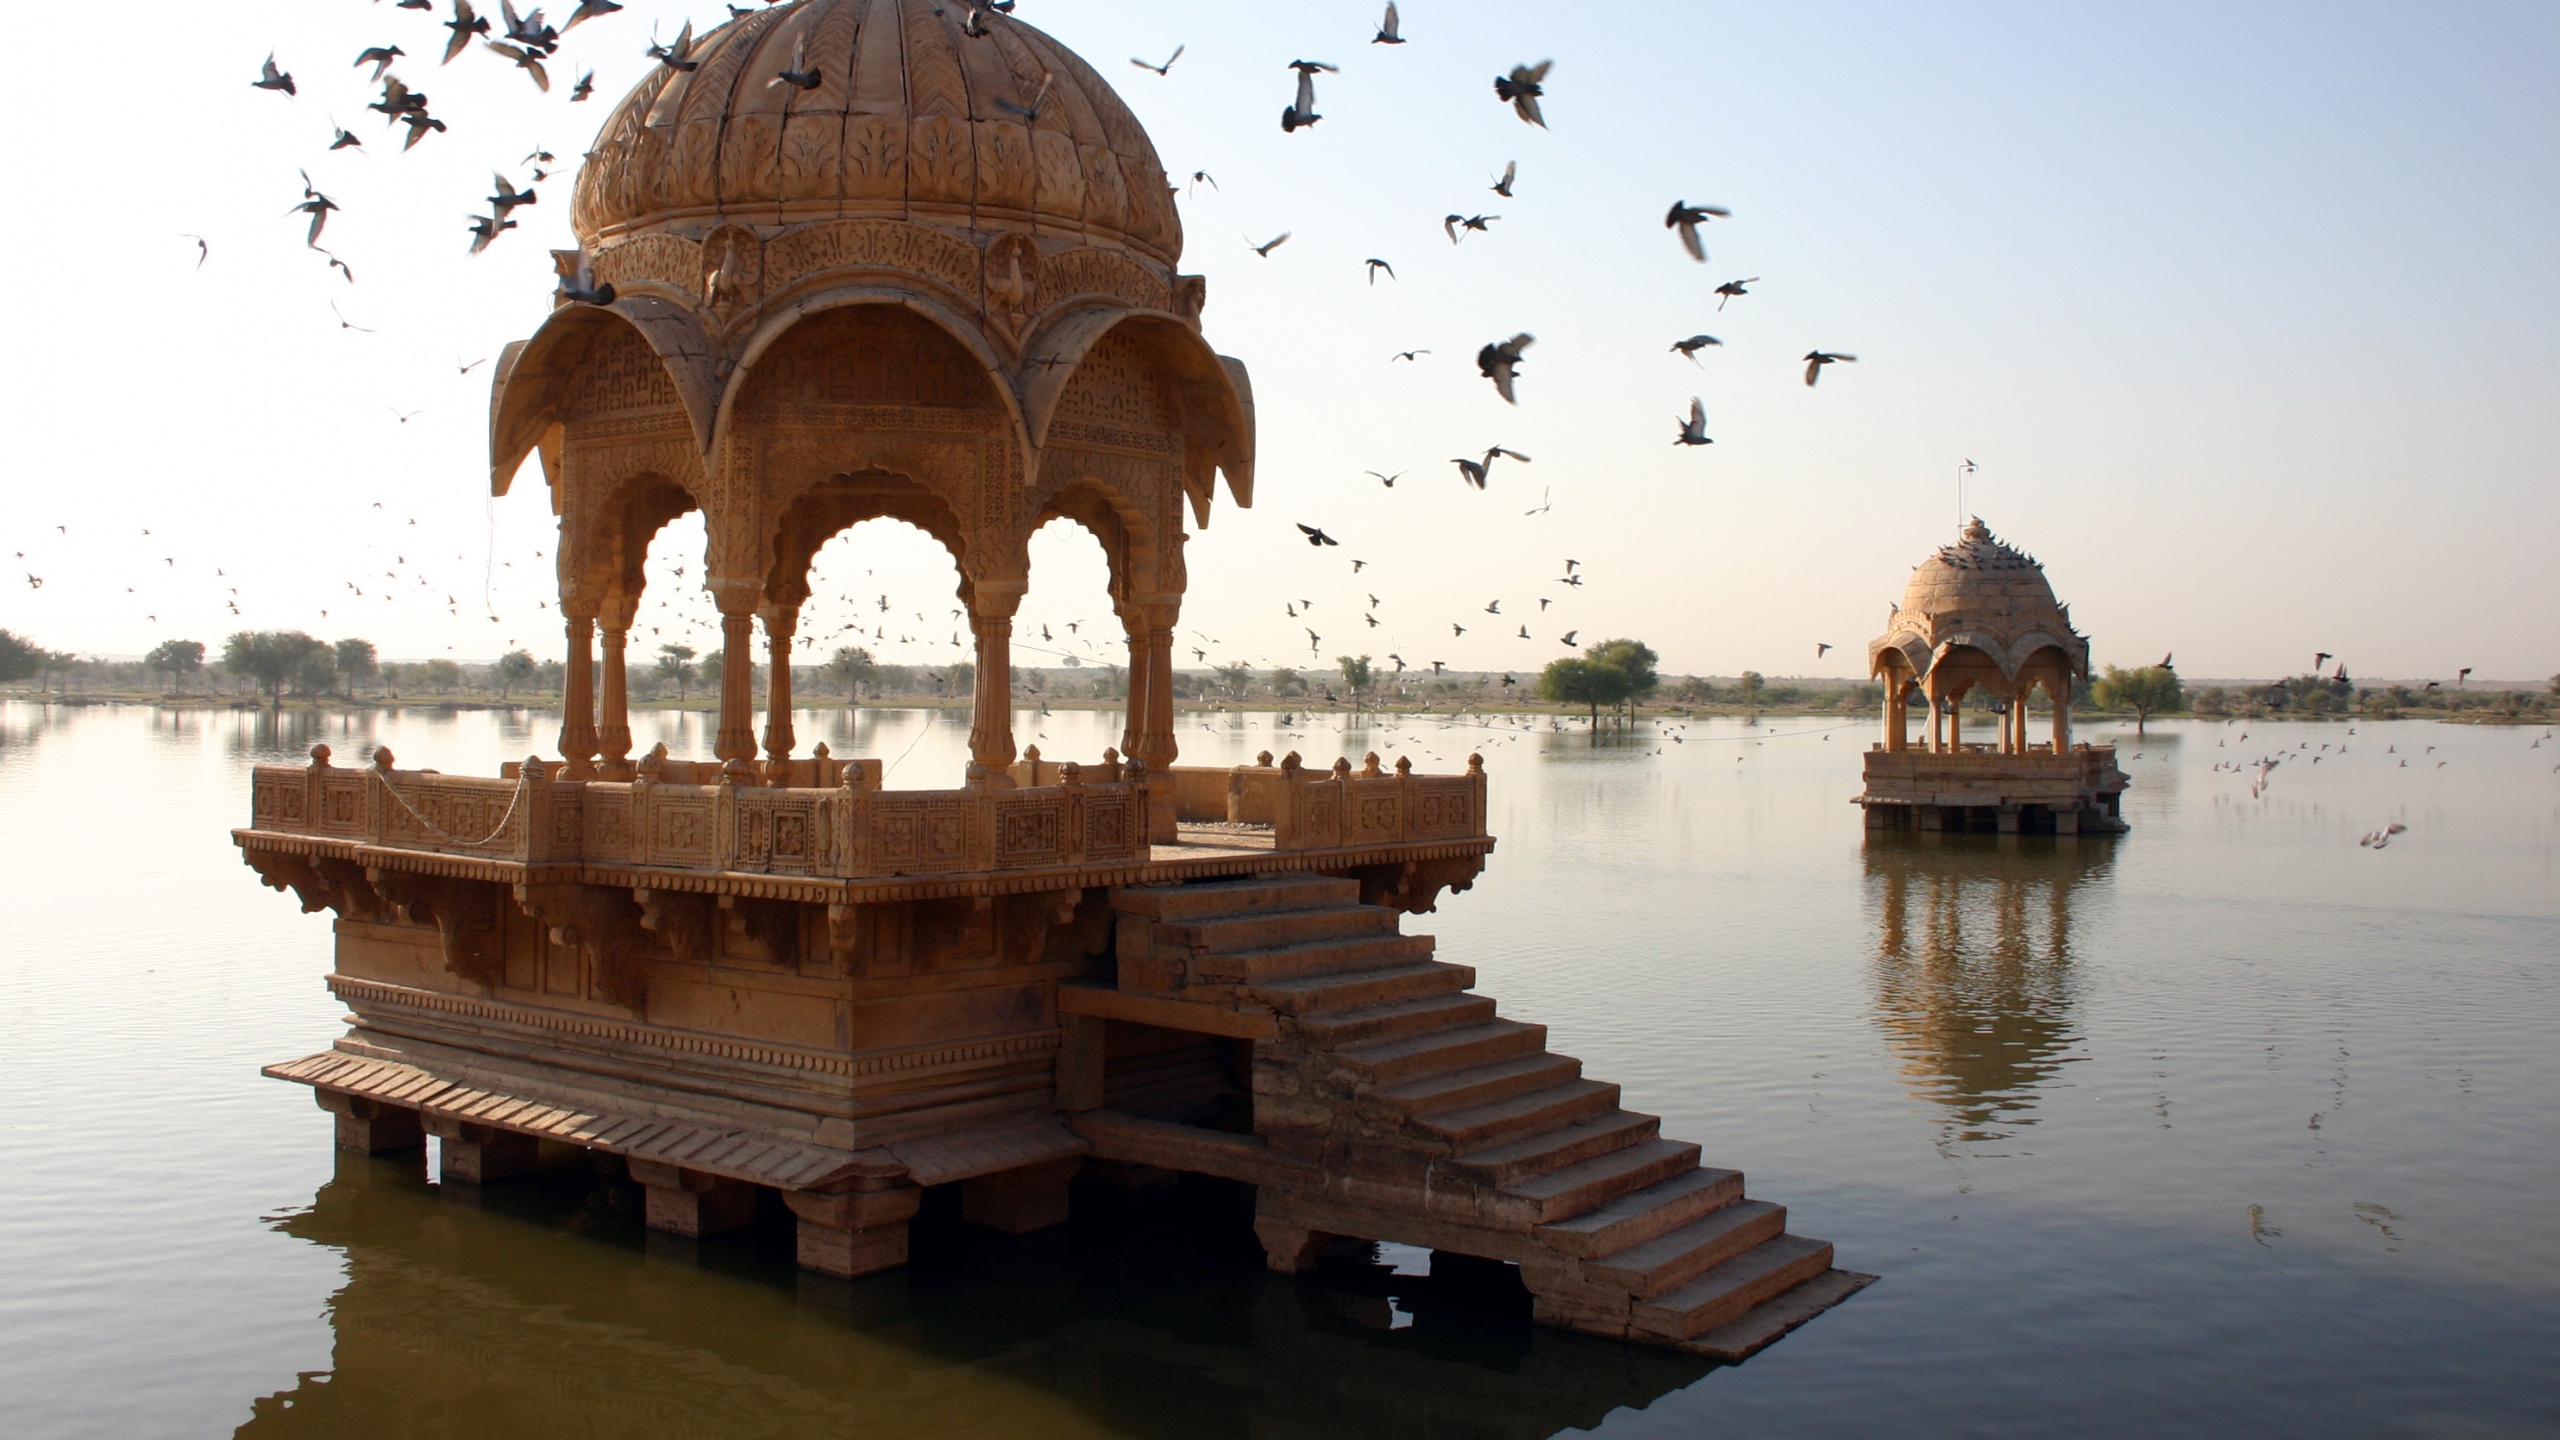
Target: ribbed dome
{"type": "Point", "coordinates": [909, 120]}
{"type": "Point", "coordinates": [1984, 594]}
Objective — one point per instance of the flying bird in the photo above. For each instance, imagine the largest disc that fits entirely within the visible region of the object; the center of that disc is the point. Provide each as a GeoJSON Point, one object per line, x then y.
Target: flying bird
{"type": "Point", "coordinates": [2319, 659]}
{"type": "Point", "coordinates": [1387, 480]}
{"type": "Point", "coordinates": [585, 87]}
{"type": "Point", "coordinates": [1316, 536]}
{"type": "Point", "coordinates": [1377, 265]}
{"type": "Point", "coordinates": [671, 56]}
{"type": "Point", "coordinates": [1264, 250]}
{"type": "Point", "coordinates": [344, 139]}
{"type": "Point", "coordinates": [486, 228]}
{"type": "Point", "coordinates": [800, 76]}
{"type": "Point", "coordinates": [1476, 471]}
{"type": "Point", "coordinates": [1502, 187]}
{"type": "Point", "coordinates": [464, 24]}
{"type": "Point", "coordinates": [271, 78]}
{"type": "Point", "coordinates": [588, 10]}
{"type": "Point", "coordinates": [1814, 360]}
{"type": "Point", "coordinates": [528, 60]}
{"type": "Point", "coordinates": [419, 124]}
{"type": "Point", "coordinates": [1820, 649]}
{"type": "Point", "coordinates": [345, 324]}
{"type": "Point", "coordinates": [204, 251]}
{"type": "Point", "coordinates": [380, 58]}
{"type": "Point", "coordinates": [1500, 363]}
{"type": "Point", "coordinates": [1567, 638]}
{"type": "Point", "coordinates": [1546, 502]}
{"type": "Point", "coordinates": [508, 197]}
{"type": "Point", "coordinates": [1731, 288]}
{"type": "Point", "coordinates": [1031, 113]}
{"type": "Point", "coordinates": [1693, 431]}
{"type": "Point", "coordinates": [1455, 223]}
{"type": "Point", "coordinates": [1390, 28]}
{"type": "Point", "coordinates": [1691, 346]}
{"type": "Point", "coordinates": [1522, 87]}
{"type": "Point", "coordinates": [1168, 60]}
{"type": "Point", "coordinates": [317, 206]}
{"type": "Point", "coordinates": [2165, 664]}
{"type": "Point", "coordinates": [1302, 111]}
{"type": "Point", "coordinates": [2382, 837]}
{"type": "Point", "coordinates": [1405, 355]}
{"type": "Point", "coordinates": [1686, 218]}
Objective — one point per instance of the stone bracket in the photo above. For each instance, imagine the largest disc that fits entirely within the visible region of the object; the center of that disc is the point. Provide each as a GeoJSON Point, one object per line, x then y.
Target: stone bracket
{"type": "Point", "coordinates": [603, 921]}
{"type": "Point", "coordinates": [681, 919]}
{"type": "Point", "coordinates": [464, 912]}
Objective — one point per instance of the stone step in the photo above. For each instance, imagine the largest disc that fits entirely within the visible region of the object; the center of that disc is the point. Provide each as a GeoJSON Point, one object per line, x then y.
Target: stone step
{"type": "Point", "coordinates": [1317, 957]}
{"type": "Point", "coordinates": [1392, 1062]}
{"type": "Point", "coordinates": [1351, 989]}
{"type": "Point", "coordinates": [1635, 1218]}
{"type": "Point", "coordinates": [1395, 1019]}
{"type": "Point", "coordinates": [1478, 1085]}
{"type": "Point", "coordinates": [1478, 1126]}
{"type": "Point", "coordinates": [1506, 1165]}
{"type": "Point", "coordinates": [1594, 1183]}
{"type": "Point", "coordinates": [1259, 894]}
{"type": "Point", "coordinates": [1673, 1259]}
{"type": "Point", "coordinates": [1730, 1290]}
{"type": "Point", "coordinates": [1232, 934]}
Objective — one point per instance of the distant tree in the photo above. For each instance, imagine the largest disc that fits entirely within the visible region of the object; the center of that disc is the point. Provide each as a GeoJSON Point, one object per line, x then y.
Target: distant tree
{"type": "Point", "coordinates": [675, 662]}
{"type": "Point", "coordinates": [443, 676]}
{"type": "Point", "coordinates": [1580, 680]}
{"type": "Point", "coordinates": [962, 677]}
{"type": "Point", "coordinates": [1748, 689]}
{"type": "Point", "coordinates": [1633, 659]}
{"type": "Point", "coordinates": [19, 657]}
{"type": "Point", "coordinates": [357, 664]}
{"type": "Point", "coordinates": [1236, 678]}
{"type": "Point", "coordinates": [315, 675]}
{"type": "Point", "coordinates": [849, 667]}
{"type": "Point", "coordinates": [710, 669]}
{"type": "Point", "coordinates": [1356, 673]}
{"type": "Point", "coordinates": [272, 658]}
{"type": "Point", "coordinates": [173, 658]}
{"type": "Point", "coordinates": [514, 668]}
{"type": "Point", "coordinates": [1285, 681]}
{"type": "Point", "coordinates": [2154, 687]}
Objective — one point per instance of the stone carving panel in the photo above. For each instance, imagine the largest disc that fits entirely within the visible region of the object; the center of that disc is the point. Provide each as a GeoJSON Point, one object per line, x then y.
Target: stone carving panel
{"type": "Point", "coordinates": [870, 355]}
{"type": "Point", "coordinates": [1089, 271]}
{"type": "Point", "coordinates": [669, 259]}
{"type": "Point", "coordinates": [618, 373]}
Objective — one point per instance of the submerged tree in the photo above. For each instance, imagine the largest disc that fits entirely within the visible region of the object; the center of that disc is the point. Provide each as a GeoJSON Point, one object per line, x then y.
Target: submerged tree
{"type": "Point", "coordinates": [2153, 687]}
{"type": "Point", "coordinates": [1356, 673]}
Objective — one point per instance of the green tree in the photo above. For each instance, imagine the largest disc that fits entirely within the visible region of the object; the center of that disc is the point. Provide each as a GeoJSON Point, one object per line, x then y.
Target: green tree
{"type": "Point", "coordinates": [19, 657]}
{"type": "Point", "coordinates": [1356, 673]}
{"type": "Point", "coordinates": [1235, 679]}
{"type": "Point", "coordinates": [513, 669]}
{"type": "Point", "coordinates": [1285, 681]}
{"type": "Point", "coordinates": [272, 658]}
{"type": "Point", "coordinates": [443, 676]}
{"type": "Point", "coordinates": [173, 658]}
{"type": "Point", "coordinates": [1635, 660]}
{"type": "Point", "coordinates": [850, 666]}
{"type": "Point", "coordinates": [1580, 680]}
{"type": "Point", "coordinates": [315, 675]}
{"type": "Point", "coordinates": [357, 664]}
{"type": "Point", "coordinates": [1749, 688]}
{"type": "Point", "coordinates": [2154, 687]}
{"type": "Point", "coordinates": [675, 662]}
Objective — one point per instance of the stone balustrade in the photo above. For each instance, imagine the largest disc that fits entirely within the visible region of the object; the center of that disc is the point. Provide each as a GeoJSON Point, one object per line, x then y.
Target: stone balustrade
{"type": "Point", "coordinates": [852, 830]}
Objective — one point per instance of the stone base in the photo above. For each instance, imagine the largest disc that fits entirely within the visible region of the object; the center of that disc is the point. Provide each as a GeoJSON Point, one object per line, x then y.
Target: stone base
{"type": "Point", "coordinates": [1289, 1249]}
{"type": "Point", "coordinates": [691, 1203]}
{"type": "Point", "coordinates": [1033, 1197]}
{"type": "Point", "coordinates": [859, 1232]}
{"type": "Point", "coordinates": [369, 1127]}
{"type": "Point", "coordinates": [476, 1154]}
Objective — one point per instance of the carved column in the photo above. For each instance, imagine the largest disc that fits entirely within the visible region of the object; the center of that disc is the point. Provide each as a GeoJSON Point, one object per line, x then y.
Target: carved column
{"type": "Point", "coordinates": [578, 701]}
{"type": "Point", "coordinates": [737, 737]}
{"type": "Point", "coordinates": [779, 626]}
{"type": "Point", "coordinates": [991, 711]}
{"type": "Point", "coordinates": [2059, 688]}
{"type": "Point", "coordinates": [858, 1232]}
{"type": "Point", "coordinates": [1139, 669]}
{"type": "Point", "coordinates": [1155, 741]}
{"type": "Point", "coordinates": [613, 735]}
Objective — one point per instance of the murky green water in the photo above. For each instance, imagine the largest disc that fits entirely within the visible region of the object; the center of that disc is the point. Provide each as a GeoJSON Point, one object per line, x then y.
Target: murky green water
{"type": "Point", "coordinates": [2231, 1127]}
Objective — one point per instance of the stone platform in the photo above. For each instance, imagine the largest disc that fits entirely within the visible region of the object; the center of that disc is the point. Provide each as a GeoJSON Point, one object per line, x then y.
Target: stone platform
{"type": "Point", "coordinates": [2031, 790]}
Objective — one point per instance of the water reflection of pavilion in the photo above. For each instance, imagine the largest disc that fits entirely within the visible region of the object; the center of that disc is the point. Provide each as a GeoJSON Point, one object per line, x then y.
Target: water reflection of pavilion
{"type": "Point", "coordinates": [467, 1318]}
{"type": "Point", "coordinates": [1974, 983]}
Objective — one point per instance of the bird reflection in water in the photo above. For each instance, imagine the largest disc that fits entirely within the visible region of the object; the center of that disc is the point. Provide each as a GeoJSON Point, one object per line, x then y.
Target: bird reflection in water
{"type": "Point", "coordinates": [1974, 982]}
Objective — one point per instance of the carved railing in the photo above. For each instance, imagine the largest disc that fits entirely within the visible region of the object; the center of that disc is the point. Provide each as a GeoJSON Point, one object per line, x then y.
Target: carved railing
{"type": "Point", "coordinates": [1347, 808]}
{"type": "Point", "coordinates": [851, 830]}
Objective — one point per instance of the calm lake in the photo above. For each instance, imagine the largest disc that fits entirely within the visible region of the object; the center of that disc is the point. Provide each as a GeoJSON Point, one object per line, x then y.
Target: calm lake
{"type": "Point", "coordinates": [2230, 1126]}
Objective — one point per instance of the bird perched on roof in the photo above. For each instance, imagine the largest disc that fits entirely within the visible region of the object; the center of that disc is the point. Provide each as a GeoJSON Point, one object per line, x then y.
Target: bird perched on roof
{"type": "Point", "coordinates": [1522, 87]}
{"type": "Point", "coordinates": [1693, 431]}
{"type": "Point", "coordinates": [1302, 110]}
{"type": "Point", "coordinates": [1686, 218]}
{"type": "Point", "coordinates": [271, 78]}
{"type": "Point", "coordinates": [1691, 346]}
{"type": "Point", "coordinates": [1500, 363]}
{"type": "Point", "coordinates": [1814, 360]}
{"type": "Point", "coordinates": [1731, 288]}
{"type": "Point", "coordinates": [1390, 28]}
{"type": "Point", "coordinates": [1455, 223]}
{"type": "Point", "coordinates": [1316, 536]}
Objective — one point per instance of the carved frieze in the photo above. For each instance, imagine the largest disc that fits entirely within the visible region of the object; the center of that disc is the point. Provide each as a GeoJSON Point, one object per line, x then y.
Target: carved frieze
{"type": "Point", "coordinates": [1087, 271]}
{"type": "Point", "coordinates": [670, 259]}
{"type": "Point", "coordinates": [602, 922]}
{"type": "Point", "coordinates": [464, 912]}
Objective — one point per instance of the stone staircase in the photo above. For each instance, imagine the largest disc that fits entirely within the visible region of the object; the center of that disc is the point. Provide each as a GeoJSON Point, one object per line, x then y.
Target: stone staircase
{"type": "Point", "coordinates": [1396, 1104]}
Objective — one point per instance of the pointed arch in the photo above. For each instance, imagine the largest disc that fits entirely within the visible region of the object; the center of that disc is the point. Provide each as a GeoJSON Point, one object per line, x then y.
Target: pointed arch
{"type": "Point", "coordinates": [531, 387]}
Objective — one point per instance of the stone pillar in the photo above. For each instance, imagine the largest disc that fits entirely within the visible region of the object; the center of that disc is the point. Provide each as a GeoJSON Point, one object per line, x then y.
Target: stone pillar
{"type": "Point", "coordinates": [1155, 742]}
{"type": "Point", "coordinates": [369, 1127]}
{"type": "Point", "coordinates": [2061, 717]}
{"type": "Point", "coordinates": [578, 701]}
{"type": "Point", "coordinates": [1892, 713]}
{"type": "Point", "coordinates": [1136, 722]}
{"type": "Point", "coordinates": [780, 624]}
{"type": "Point", "coordinates": [613, 732]}
{"type": "Point", "coordinates": [1019, 1201]}
{"type": "Point", "coordinates": [991, 707]}
{"type": "Point", "coordinates": [691, 1203]}
{"type": "Point", "coordinates": [1955, 723]}
{"type": "Point", "coordinates": [2066, 820]}
{"type": "Point", "coordinates": [2008, 819]}
{"type": "Point", "coordinates": [858, 1232]}
{"type": "Point", "coordinates": [476, 1154]}
{"type": "Point", "coordinates": [1937, 718]}
{"type": "Point", "coordinates": [737, 737]}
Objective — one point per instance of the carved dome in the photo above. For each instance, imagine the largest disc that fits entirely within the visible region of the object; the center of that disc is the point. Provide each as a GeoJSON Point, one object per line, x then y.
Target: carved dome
{"type": "Point", "coordinates": [1983, 593]}
{"type": "Point", "coordinates": [912, 119]}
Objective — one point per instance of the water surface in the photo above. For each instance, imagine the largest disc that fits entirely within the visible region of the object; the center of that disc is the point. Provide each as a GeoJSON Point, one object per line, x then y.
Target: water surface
{"type": "Point", "coordinates": [2228, 1127]}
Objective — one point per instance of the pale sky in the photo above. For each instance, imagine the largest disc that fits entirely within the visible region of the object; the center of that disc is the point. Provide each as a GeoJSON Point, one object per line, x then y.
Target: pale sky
{"type": "Point", "coordinates": [2248, 315]}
